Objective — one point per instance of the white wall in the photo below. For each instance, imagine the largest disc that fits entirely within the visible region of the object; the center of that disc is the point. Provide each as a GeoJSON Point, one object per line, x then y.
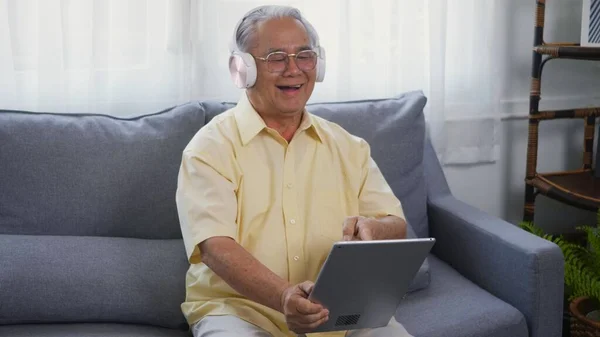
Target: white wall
{"type": "Point", "coordinates": [498, 188]}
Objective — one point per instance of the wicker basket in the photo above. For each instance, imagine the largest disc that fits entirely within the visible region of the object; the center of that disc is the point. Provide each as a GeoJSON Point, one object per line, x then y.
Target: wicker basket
{"type": "Point", "coordinates": [581, 326]}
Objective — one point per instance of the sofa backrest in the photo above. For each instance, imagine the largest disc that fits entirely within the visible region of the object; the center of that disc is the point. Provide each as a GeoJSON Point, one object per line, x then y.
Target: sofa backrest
{"type": "Point", "coordinates": [93, 175]}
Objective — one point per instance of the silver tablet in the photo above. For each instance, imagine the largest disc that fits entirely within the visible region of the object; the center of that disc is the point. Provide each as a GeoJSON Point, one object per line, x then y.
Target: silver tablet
{"type": "Point", "coordinates": [363, 282]}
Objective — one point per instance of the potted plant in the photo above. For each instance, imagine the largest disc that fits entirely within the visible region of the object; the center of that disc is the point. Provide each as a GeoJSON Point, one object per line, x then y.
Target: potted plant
{"type": "Point", "coordinates": [582, 277]}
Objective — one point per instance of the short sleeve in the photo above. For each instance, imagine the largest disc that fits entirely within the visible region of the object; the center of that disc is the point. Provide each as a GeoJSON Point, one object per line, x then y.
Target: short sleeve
{"type": "Point", "coordinates": [376, 198]}
{"type": "Point", "coordinates": [206, 202]}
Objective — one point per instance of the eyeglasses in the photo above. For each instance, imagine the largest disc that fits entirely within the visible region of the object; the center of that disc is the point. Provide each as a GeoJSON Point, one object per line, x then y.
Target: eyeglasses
{"type": "Point", "coordinates": [277, 62]}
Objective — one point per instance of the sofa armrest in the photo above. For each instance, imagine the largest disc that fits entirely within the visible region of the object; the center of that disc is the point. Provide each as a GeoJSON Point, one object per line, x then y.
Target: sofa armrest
{"type": "Point", "coordinates": [518, 267]}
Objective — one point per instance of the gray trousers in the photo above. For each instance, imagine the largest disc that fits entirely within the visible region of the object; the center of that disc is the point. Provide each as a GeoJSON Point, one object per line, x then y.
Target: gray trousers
{"type": "Point", "coordinates": [231, 326]}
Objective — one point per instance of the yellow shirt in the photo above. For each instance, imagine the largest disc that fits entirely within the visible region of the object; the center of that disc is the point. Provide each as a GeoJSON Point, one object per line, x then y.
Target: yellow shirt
{"type": "Point", "coordinates": [284, 203]}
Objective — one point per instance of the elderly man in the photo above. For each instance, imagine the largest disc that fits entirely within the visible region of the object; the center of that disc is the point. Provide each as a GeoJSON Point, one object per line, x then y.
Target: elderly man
{"type": "Point", "coordinates": [266, 188]}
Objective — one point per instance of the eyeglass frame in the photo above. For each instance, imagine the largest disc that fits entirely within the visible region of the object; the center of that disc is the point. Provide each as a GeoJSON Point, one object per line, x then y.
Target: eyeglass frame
{"type": "Point", "coordinates": [287, 62]}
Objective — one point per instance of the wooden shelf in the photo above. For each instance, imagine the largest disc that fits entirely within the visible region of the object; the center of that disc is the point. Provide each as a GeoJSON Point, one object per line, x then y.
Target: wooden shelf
{"type": "Point", "coordinates": [580, 188]}
{"type": "Point", "coordinates": [567, 113]}
{"type": "Point", "coordinates": [568, 51]}
{"type": "Point", "coordinates": [576, 188]}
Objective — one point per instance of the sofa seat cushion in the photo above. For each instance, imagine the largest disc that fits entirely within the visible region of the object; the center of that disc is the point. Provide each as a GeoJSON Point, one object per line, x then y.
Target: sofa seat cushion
{"type": "Point", "coordinates": [70, 279]}
{"type": "Point", "coordinates": [454, 306]}
{"type": "Point", "coordinates": [89, 330]}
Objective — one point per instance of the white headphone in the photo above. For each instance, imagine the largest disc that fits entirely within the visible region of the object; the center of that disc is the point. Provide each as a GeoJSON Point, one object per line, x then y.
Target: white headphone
{"type": "Point", "coordinates": [242, 66]}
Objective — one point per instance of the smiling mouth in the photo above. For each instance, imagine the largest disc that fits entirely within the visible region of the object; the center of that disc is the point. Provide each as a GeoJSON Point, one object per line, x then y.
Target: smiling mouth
{"type": "Point", "coordinates": [290, 88]}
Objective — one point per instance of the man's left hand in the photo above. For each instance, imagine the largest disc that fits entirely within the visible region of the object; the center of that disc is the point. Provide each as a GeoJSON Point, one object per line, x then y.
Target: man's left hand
{"type": "Point", "coordinates": [365, 229]}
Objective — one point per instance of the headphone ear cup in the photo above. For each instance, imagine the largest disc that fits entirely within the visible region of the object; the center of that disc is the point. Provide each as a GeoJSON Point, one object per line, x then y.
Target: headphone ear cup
{"type": "Point", "coordinates": [321, 64]}
{"type": "Point", "coordinates": [242, 69]}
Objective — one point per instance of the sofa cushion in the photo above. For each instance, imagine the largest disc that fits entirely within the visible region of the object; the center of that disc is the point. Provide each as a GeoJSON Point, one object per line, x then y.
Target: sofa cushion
{"type": "Point", "coordinates": [68, 279]}
{"type": "Point", "coordinates": [423, 276]}
{"type": "Point", "coordinates": [89, 330]}
{"type": "Point", "coordinates": [453, 306]}
{"type": "Point", "coordinates": [65, 174]}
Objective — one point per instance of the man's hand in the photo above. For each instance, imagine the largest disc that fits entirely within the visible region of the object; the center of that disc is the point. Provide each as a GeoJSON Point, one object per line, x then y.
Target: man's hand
{"type": "Point", "coordinates": [302, 315]}
{"type": "Point", "coordinates": [365, 229]}
{"type": "Point", "coordinates": [359, 228]}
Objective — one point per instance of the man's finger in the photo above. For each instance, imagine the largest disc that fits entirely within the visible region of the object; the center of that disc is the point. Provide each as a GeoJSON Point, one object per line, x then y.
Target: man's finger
{"type": "Point", "coordinates": [316, 324]}
{"type": "Point", "coordinates": [312, 318]}
{"type": "Point", "coordinates": [365, 234]}
{"type": "Point", "coordinates": [349, 228]}
{"type": "Point", "coordinates": [302, 329]}
{"type": "Point", "coordinates": [306, 307]}
{"type": "Point", "coordinates": [307, 287]}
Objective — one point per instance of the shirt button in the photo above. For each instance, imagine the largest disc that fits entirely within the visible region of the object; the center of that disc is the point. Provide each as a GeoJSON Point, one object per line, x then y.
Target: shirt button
{"type": "Point", "coordinates": [292, 221]}
{"type": "Point", "coordinates": [296, 258]}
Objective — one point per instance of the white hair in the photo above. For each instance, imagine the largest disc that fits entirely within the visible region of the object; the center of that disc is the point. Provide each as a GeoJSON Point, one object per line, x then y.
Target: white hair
{"type": "Point", "coordinates": [247, 28]}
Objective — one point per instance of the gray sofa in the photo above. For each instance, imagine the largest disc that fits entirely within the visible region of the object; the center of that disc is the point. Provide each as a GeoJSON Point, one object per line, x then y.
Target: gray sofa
{"type": "Point", "coordinates": [90, 243]}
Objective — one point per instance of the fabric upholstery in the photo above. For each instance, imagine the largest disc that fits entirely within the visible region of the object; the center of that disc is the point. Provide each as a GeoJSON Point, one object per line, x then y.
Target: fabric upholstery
{"type": "Point", "coordinates": [436, 183]}
{"type": "Point", "coordinates": [524, 270]}
{"type": "Point", "coordinates": [91, 174]}
{"type": "Point", "coordinates": [423, 276]}
{"type": "Point", "coordinates": [454, 306]}
{"type": "Point", "coordinates": [69, 279]}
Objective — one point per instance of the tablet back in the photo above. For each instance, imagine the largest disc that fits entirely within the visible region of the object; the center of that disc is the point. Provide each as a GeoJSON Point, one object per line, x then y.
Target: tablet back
{"type": "Point", "coordinates": [363, 282]}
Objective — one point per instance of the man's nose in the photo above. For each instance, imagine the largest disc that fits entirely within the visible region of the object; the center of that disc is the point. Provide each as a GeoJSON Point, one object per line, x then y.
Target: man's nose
{"type": "Point", "coordinates": [292, 67]}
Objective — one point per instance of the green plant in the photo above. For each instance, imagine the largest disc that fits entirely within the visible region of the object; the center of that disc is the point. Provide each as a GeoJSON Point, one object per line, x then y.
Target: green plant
{"type": "Point", "coordinates": [582, 263]}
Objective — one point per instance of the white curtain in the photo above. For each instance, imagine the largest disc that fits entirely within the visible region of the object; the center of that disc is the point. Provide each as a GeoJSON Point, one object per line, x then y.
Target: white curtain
{"type": "Point", "coordinates": [130, 57]}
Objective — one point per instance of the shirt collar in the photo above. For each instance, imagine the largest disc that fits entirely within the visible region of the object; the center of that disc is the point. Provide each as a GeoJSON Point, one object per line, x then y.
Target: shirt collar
{"type": "Point", "coordinates": [251, 124]}
{"type": "Point", "coordinates": [248, 120]}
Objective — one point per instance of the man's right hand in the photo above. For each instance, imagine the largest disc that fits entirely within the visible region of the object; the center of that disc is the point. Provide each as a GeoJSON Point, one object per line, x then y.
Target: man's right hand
{"type": "Point", "coordinates": [302, 315]}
